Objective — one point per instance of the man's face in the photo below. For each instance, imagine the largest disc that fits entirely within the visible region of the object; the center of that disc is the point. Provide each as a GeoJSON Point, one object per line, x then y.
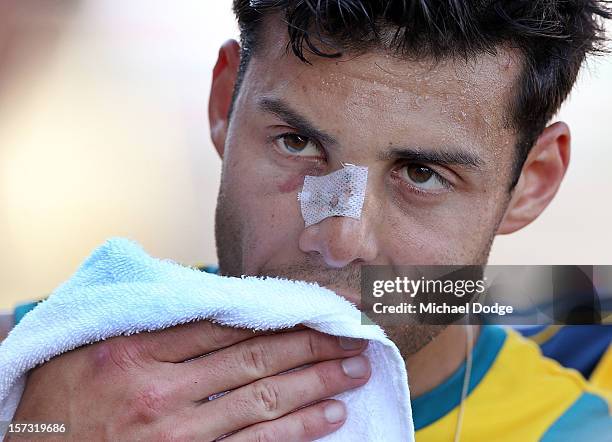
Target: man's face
{"type": "Point", "coordinates": [433, 137]}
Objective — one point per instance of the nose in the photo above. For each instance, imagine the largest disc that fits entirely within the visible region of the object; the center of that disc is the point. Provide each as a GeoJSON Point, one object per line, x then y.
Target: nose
{"type": "Point", "coordinates": [340, 241]}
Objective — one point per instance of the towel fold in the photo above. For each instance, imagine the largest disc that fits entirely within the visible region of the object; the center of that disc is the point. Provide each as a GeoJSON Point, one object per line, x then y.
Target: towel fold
{"type": "Point", "coordinates": [120, 290]}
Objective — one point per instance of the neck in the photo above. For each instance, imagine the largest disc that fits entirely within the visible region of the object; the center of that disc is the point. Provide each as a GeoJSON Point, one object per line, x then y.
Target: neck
{"type": "Point", "coordinates": [439, 359]}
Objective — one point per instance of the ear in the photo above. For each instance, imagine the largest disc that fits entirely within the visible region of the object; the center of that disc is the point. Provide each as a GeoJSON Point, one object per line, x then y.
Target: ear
{"type": "Point", "coordinates": [540, 178]}
{"type": "Point", "coordinates": [223, 81]}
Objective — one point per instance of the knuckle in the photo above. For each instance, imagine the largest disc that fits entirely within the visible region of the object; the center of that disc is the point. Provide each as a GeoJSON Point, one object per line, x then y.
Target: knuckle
{"type": "Point", "coordinates": [323, 376]}
{"type": "Point", "coordinates": [216, 335]}
{"type": "Point", "coordinates": [100, 357]}
{"type": "Point", "coordinates": [147, 405]}
{"type": "Point", "coordinates": [314, 344]}
{"type": "Point", "coordinates": [264, 434]}
{"type": "Point", "coordinates": [266, 396]}
{"type": "Point", "coordinates": [110, 357]}
{"type": "Point", "coordinates": [255, 358]}
{"type": "Point", "coordinates": [117, 354]}
{"type": "Point", "coordinates": [307, 427]}
{"type": "Point", "coordinates": [124, 353]}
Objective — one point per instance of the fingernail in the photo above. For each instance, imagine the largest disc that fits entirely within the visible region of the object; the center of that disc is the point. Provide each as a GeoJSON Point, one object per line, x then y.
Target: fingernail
{"type": "Point", "coordinates": [355, 367]}
{"type": "Point", "coordinates": [334, 412]}
{"type": "Point", "coordinates": [351, 343]}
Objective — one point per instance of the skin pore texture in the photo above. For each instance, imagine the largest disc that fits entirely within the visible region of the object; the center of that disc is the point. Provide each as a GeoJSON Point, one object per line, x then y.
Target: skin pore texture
{"type": "Point", "coordinates": [395, 116]}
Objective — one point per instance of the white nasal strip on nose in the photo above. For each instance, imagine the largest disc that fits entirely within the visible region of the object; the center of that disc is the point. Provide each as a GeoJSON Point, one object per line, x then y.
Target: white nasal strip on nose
{"type": "Point", "coordinates": [341, 193]}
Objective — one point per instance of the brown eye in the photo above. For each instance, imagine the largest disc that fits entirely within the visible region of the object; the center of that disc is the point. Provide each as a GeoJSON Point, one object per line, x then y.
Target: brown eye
{"type": "Point", "coordinates": [423, 177]}
{"type": "Point", "coordinates": [296, 142]}
{"type": "Point", "coordinates": [298, 145]}
{"type": "Point", "coordinates": [419, 174]}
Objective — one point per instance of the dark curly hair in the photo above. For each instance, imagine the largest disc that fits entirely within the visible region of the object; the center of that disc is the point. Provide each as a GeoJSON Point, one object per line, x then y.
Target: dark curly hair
{"type": "Point", "coordinates": [553, 36]}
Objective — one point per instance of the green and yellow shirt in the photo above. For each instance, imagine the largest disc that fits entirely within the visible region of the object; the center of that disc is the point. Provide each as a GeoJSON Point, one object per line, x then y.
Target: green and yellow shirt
{"type": "Point", "coordinates": [515, 394]}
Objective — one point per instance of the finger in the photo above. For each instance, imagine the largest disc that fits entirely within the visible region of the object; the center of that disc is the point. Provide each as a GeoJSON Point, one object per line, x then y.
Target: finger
{"type": "Point", "coordinates": [187, 341]}
{"type": "Point", "coordinates": [273, 397]}
{"type": "Point", "coordinates": [305, 425]}
{"type": "Point", "coordinates": [261, 357]}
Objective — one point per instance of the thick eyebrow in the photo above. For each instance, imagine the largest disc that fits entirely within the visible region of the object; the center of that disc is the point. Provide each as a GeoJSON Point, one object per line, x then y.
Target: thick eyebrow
{"type": "Point", "coordinates": [290, 116]}
{"type": "Point", "coordinates": [443, 156]}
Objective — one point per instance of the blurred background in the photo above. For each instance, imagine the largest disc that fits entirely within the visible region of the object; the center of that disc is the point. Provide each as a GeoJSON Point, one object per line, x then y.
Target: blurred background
{"type": "Point", "coordinates": [104, 132]}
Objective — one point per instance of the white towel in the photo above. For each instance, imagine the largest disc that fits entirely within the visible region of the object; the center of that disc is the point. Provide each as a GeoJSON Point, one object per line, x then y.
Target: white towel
{"type": "Point", "coordinates": [120, 290]}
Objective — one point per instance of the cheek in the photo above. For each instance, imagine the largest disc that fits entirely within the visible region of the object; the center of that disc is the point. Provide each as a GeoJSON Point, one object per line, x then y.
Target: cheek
{"type": "Point", "coordinates": [291, 184]}
{"type": "Point", "coordinates": [269, 212]}
{"type": "Point", "coordinates": [458, 232]}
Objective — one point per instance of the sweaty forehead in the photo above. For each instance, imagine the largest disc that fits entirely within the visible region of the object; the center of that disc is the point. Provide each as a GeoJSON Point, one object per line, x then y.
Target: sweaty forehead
{"type": "Point", "coordinates": [466, 98]}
